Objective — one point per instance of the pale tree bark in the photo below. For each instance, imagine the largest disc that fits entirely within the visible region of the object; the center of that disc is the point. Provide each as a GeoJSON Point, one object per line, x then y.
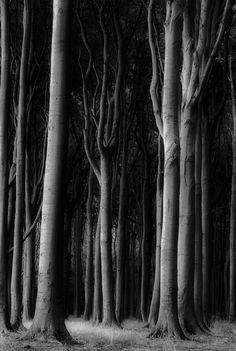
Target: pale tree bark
{"type": "Point", "coordinates": [154, 87]}
{"type": "Point", "coordinates": [198, 57]}
{"type": "Point", "coordinates": [4, 117]}
{"type": "Point", "coordinates": [20, 172]}
{"type": "Point", "coordinates": [168, 315]}
{"type": "Point", "coordinates": [155, 302]}
{"type": "Point", "coordinates": [49, 319]}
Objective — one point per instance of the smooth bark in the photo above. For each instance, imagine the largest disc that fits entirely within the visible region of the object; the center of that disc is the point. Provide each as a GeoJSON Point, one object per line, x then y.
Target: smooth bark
{"type": "Point", "coordinates": [49, 318]}
{"type": "Point", "coordinates": [20, 172]}
{"type": "Point", "coordinates": [4, 117]}
{"type": "Point", "coordinates": [155, 302]}
{"type": "Point", "coordinates": [168, 315]}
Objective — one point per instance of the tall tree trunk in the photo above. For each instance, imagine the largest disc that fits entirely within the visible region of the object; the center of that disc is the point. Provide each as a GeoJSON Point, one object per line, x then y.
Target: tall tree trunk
{"type": "Point", "coordinates": [187, 223]}
{"type": "Point", "coordinates": [154, 308]}
{"type": "Point", "coordinates": [109, 317]}
{"type": "Point", "coordinates": [20, 172]}
{"type": "Point", "coordinates": [132, 276]}
{"type": "Point", "coordinates": [49, 318]}
{"type": "Point", "coordinates": [78, 264]}
{"type": "Point", "coordinates": [126, 308]}
{"type": "Point", "coordinates": [121, 231]}
{"type": "Point", "coordinates": [97, 296]}
{"type": "Point", "coordinates": [28, 287]}
{"type": "Point", "coordinates": [168, 315]}
{"type": "Point", "coordinates": [67, 259]}
{"type": "Point", "coordinates": [88, 284]}
{"type": "Point", "coordinates": [232, 243]}
{"type": "Point", "coordinates": [146, 241]}
{"type": "Point", "coordinates": [4, 117]}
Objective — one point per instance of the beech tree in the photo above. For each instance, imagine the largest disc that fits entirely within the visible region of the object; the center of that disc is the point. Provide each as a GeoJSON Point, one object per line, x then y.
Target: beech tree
{"type": "Point", "coordinates": [168, 316]}
{"type": "Point", "coordinates": [49, 317]}
{"type": "Point", "coordinates": [4, 118]}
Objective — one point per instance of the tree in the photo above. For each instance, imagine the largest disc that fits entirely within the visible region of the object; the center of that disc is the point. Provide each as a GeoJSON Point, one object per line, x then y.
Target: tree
{"type": "Point", "coordinates": [48, 317]}
{"type": "Point", "coordinates": [20, 171]}
{"type": "Point", "coordinates": [4, 116]}
{"type": "Point", "coordinates": [168, 316]}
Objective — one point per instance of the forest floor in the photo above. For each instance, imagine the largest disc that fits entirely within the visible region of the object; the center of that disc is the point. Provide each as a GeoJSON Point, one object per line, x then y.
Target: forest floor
{"type": "Point", "coordinates": [133, 337]}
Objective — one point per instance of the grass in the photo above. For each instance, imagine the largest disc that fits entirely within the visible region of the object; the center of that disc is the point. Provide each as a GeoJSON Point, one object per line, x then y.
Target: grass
{"type": "Point", "coordinates": [133, 336]}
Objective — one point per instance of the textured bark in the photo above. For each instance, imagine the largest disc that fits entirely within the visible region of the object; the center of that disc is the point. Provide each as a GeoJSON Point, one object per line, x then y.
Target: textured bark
{"type": "Point", "coordinates": [88, 284]}
{"type": "Point", "coordinates": [20, 173]}
{"type": "Point", "coordinates": [168, 315]}
{"type": "Point", "coordinates": [155, 302]}
{"type": "Point", "coordinates": [4, 117]}
{"type": "Point", "coordinates": [49, 319]}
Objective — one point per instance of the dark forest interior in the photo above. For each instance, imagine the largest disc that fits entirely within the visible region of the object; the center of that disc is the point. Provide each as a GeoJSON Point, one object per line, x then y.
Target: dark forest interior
{"type": "Point", "coordinates": [118, 170]}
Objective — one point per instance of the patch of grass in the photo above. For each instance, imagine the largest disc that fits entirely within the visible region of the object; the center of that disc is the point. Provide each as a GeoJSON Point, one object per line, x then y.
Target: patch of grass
{"type": "Point", "coordinates": [99, 336]}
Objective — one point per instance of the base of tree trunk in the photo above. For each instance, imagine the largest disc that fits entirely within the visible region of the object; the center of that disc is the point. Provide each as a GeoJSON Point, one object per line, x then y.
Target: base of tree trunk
{"type": "Point", "coordinates": [190, 325]}
{"type": "Point", "coordinates": [5, 327]}
{"type": "Point", "coordinates": [111, 323]}
{"type": "Point", "coordinates": [56, 331]}
{"type": "Point", "coordinates": [18, 326]}
{"type": "Point", "coordinates": [167, 325]}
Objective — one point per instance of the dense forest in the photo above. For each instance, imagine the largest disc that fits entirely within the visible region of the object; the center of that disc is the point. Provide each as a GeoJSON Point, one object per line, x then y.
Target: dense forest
{"type": "Point", "coordinates": [117, 165]}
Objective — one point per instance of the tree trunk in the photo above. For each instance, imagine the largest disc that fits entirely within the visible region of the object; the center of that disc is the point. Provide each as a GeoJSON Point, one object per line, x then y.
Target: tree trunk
{"type": "Point", "coordinates": [154, 308]}
{"type": "Point", "coordinates": [97, 296]}
{"type": "Point", "coordinates": [67, 259]}
{"type": "Point", "coordinates": [4, 114]}
{"type": "Point", "coordinates": [146, 242]}
{"type": "Point", "coordinates": [20, 173]}
{"type": "Point", "coordinates": [48, 318]}
{"type": "Point", "coordinates": [121, 231]}
{"type": "Point", "coordinates": [29, 273]}
{"type": "Point", "coordinates": [109, 317]}
{"type": "Point", "coordinates": [232, 244]}
{"type": "Point", "coordinates": [132, 277]}
{"type": "Point", "coordinates": [88, 284]}
{"type": "Point", "coordinates": [198, 227]}
{"type": "Point", "coordinates": [206, 258]}
{"type": "Point", "coordinates": [168, 315]}
{"type": "Point", "coordinates": [187, 223]}
{"type": "Point", "coordinates": [78, 264]}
